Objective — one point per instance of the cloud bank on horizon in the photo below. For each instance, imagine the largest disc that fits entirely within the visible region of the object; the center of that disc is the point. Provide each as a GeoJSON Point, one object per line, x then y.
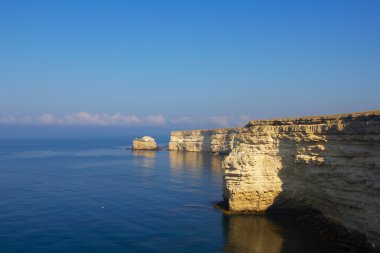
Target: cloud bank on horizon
{"type": "Point", "coordinates": [118, 119]}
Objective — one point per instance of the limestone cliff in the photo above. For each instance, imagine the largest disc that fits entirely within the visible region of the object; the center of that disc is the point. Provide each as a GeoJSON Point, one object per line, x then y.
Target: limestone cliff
{"type": "Point", "coordinates": [328, 163]}
{"type": "Point", "coordinates": [212, 140]}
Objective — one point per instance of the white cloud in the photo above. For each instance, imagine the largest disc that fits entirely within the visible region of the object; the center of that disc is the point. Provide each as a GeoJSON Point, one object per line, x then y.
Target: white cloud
{"type": "Point", "coordinates": [47, 118]}
{"type": "Point", "coordinates": [156, 120]}
{"type": "Point", "coordinates": [118, 119]}
{"type": "Point", "coordinates": [8, 120]}
{"type": "Point", "coordinates": [213, 121]}
{"type": "Point", "coordinates": [222, 121]}
{"type": "Point", "coordinates": [183, 120]}
{"type": "Point", "coordinates": [83, 118]}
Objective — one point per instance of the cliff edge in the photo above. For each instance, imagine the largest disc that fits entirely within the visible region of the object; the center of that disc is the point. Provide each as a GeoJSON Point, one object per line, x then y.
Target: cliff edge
{"type": "Point", "coordinates": [328, 163]}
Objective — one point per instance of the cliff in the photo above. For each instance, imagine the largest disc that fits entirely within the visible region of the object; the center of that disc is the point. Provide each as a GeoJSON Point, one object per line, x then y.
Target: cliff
{"type": "Point", "coordinates": [211, 140]}
{"type": "Point", "coordinates": [328, 163]}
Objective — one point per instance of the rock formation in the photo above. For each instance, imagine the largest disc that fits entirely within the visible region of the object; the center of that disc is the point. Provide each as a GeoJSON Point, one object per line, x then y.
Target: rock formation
{"type": "Point", "coordinates": [328, 163]}
{"type": "Point", "coordinates": [145, 143]}
{"type": "Point", "coordinates": [213, 140]}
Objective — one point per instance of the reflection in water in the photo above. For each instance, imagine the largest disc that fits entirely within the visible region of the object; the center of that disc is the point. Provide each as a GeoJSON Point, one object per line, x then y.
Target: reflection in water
{"type": "Point", "coordinates": [145, 153]}
{"type": "Point", "coordinates": [251, 234]}
{"type": "Point", "coordinates": [144, 158]}
{"type": "Point", "coordinates": [274, 233]}
{"type": "Point", "coordinates": [180, 160]}
{"type": "Point", "coordinates": [195, 161]}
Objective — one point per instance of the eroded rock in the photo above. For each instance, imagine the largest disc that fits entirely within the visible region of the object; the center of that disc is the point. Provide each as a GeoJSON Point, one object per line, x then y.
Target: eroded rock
{"type": "Point", "coordinates": [145, 143]}
{"type": "Point", "coordinates": [211, 140]}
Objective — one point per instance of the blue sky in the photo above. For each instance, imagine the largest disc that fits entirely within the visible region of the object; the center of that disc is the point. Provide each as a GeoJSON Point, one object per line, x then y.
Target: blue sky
{"type": "Point", "coordinates": [185, 63]}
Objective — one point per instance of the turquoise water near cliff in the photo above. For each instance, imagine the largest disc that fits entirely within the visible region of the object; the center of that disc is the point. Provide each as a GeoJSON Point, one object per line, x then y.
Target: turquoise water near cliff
{"type": "Point", "coordinates": [97, 196]}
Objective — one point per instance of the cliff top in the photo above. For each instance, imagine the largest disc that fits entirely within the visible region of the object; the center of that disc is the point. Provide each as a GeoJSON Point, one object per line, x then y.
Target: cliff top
{"type": "Point", "coordinates": [211, 130]}
{"type": "Point", "coordinates": [305, 120]}
{"type": "Point", "coordinates": [356, 116]}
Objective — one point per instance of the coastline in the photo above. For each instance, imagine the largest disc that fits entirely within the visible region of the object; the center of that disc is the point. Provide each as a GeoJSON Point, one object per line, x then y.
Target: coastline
{"type": "Point", "coordinates": [328, 164]}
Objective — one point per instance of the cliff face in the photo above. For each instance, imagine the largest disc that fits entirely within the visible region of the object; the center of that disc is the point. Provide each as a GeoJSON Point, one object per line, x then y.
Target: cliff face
{"type": "Point", "coordinates": [329, 163]}
{"type": "Point", "coordinates": [212, 140]}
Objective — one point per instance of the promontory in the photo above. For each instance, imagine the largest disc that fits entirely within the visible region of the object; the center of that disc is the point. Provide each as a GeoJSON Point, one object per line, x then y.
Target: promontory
{"type": "Point", "coordinates": [326, 163]}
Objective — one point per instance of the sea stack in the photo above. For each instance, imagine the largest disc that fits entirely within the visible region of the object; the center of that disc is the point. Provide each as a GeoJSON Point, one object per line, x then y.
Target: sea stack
{"type": "Point", "coordinates": [145, 143]}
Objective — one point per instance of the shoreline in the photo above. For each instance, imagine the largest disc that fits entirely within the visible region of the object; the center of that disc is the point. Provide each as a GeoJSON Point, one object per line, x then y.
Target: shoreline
{"type": "Point", "coordinates": [326, 163]}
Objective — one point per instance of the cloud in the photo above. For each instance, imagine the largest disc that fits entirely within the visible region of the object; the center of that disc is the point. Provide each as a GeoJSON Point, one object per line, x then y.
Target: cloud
{"type": "Point", "coordinates": [212, 121]}
{"type": "Point", "coordinates": [103, 119]}
{"type": "Point", "coordinates": [47, 118]}
{"type": "Point", "coordinates": [85, 118]}
{"type": "Point", "coordinates": [8, 120]}
{"type": "Point", "coordinates": [223, 121]}
{"type": "Point", "coordinates": [181, 120]}
{"type": "Point", "coordinates": [118, 119]}
{"type": "Point", "coordinates": [156, 120]}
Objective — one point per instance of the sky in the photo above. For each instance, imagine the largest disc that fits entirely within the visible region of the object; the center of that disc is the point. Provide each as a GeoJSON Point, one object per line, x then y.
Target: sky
{"type": "Point", "coordinates": [184, 64]}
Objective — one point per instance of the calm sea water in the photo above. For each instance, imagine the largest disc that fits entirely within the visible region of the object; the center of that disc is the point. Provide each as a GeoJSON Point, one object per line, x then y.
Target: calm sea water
{"type": "Point", "coordinates": [96, 196]}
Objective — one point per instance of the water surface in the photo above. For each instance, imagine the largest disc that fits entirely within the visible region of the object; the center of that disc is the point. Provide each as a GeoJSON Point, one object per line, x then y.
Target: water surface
{"type": "Point", "coordinates": [96, 196]}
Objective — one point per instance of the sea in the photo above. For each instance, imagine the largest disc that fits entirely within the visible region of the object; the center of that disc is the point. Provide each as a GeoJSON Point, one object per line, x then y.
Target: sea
{"type": "Point", "coordinates": [97, 195]}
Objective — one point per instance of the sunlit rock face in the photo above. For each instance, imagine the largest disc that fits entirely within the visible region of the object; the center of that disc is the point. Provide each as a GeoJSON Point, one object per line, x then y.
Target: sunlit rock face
{"type": "Point", "coordinates": [329, 163]}
{"type": "Point", "coordinates": [212, 140]}
{"type": "Point", "coordinates": [145, 143]}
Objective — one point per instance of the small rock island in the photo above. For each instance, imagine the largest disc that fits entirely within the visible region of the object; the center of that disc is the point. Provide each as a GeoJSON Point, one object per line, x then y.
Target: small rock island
{"type": "Point", "coordinates": [145, 143]}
